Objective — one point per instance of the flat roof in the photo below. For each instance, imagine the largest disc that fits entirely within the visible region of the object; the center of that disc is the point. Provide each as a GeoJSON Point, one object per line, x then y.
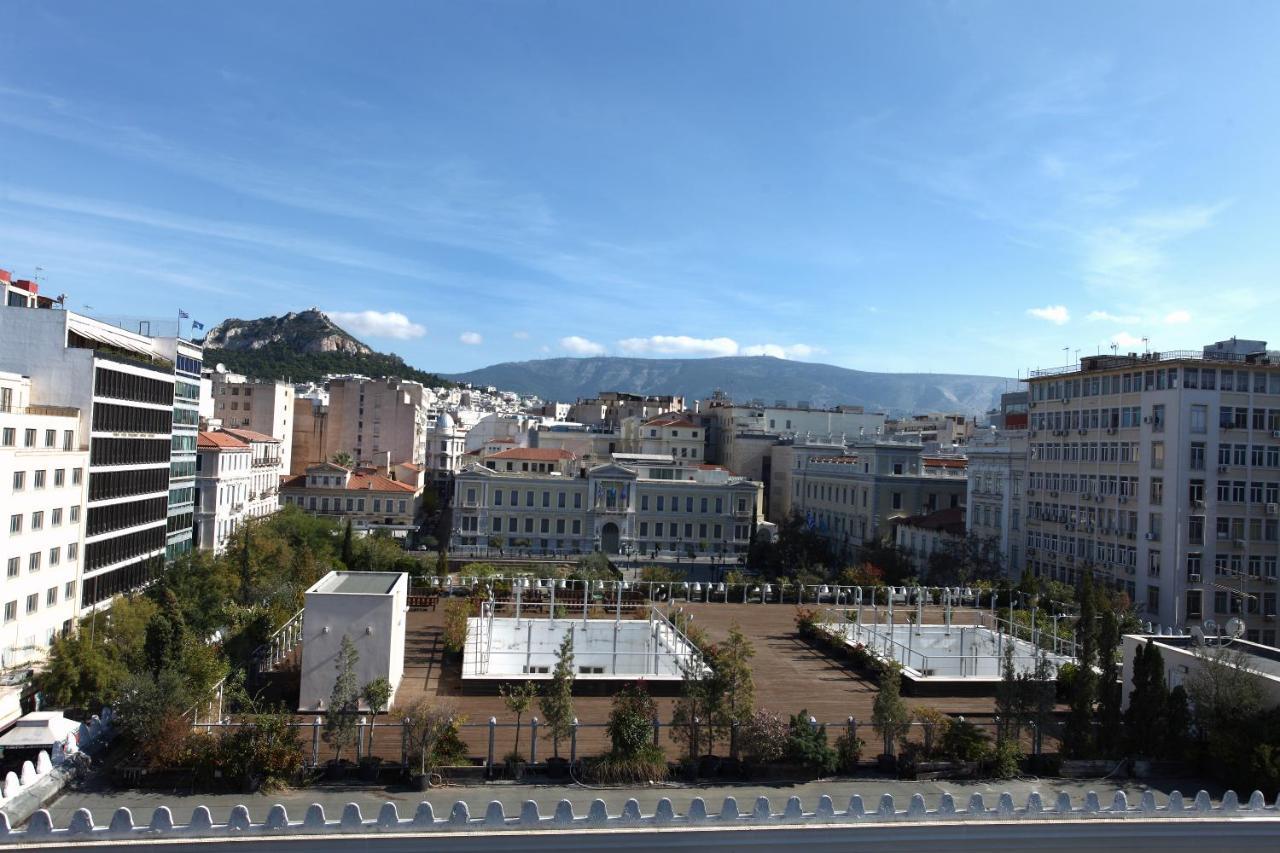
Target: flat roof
{"type": "Point", "coordinates": [358, 583]}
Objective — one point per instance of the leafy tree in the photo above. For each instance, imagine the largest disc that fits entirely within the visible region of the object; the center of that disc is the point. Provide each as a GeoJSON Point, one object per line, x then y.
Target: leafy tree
{"type": "Point", "coordinates": [348, 554]}
{"type": "Point", "coordinates": [890, 715]}
{"type": "Point", "coordinates": [662, 574]}
{"type": "Point", "coordinates": [432, 734]}
{"type": "Point", "coordinates": [1077, 735]}
{"type": "Point", "coordinates": [456, 613]}
{"type": "Point", "coordinates": [1226, 699]}
{"type": "Point", "coordinates": [518, 698]}
{"type": "Point", "coordinates": [377, 694]}
{"type": "Point", "coordinates": [1109, 688]}
{"type": "Point", "coordinates": [763, 737]}
{"type": "Point", "coordinates": [630, 725]}
{"type": "Point", "coordinates": [807, 745]}
{"type": "Point", "coordinates": [557, 701]}
{"type": "Point", "coordinates": [344, 700]}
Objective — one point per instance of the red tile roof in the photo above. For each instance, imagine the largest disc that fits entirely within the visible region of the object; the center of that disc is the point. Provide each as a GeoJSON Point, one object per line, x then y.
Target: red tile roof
{"type": "Point", "coordinates": [219, 441]}
{"type": "Point", "coordinates": [534, 454]}
{"type": "Point", "coordinates": [249, 435]}
{"type": "Point", "coordinates": [944, 462]}
{"type": "Point", "coordinates": [672, 419]}
{"type": "Point", "coordinates": [358, 482]}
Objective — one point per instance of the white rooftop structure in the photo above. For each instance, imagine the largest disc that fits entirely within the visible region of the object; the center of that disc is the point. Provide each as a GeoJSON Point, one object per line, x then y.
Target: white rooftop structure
{"type": "Point", "coordinates": [39, 730]}
{"type": "Point", "coordinates": [619, 649]}
{"type": "Point", "coordinates": [368, 607]}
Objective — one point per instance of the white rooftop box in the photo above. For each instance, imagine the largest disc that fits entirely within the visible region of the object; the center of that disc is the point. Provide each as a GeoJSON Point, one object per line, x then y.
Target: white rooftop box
{"type": "Point", "coordinates": [368, 607]}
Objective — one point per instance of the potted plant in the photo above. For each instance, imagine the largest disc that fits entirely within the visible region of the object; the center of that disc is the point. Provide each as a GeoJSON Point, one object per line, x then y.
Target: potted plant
{"type": "Point", "coordinates": [344, 706]}
{"type": "Point", "coordinates": [557, 707]}
{"type": "Point", "coordinates": [427, 727]}
{"type": "Point", "coordinates": [518, 698]}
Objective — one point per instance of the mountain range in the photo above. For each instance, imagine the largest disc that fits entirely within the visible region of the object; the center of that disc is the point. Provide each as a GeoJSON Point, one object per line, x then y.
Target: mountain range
{"type": "Point", "coordinates": [304, 346]}
{"type": "Point", "coordinates": [746, 378]}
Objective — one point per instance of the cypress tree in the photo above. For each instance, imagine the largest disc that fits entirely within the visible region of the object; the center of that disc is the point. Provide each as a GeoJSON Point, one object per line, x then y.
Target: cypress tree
{"type": "Point", "coordinates": [1077, 735]}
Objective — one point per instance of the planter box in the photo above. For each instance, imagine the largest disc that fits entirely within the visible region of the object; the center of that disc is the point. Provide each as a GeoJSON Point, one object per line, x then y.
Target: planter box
{"type": "Point", "coordinates": [464, 774]}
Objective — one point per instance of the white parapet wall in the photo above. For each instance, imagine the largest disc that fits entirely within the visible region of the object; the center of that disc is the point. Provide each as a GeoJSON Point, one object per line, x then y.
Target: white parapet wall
{"type": "Point", "coordinates": [1048, 824]}
{"type": "Point", "coordinates": [368, 607]}
{"type": "Point", "coordinates": [617, 649]}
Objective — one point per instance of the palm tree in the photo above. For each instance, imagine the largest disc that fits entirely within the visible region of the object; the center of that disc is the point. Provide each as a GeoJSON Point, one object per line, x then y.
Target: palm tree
{"type": "Point", "coordinates": [343, 458]}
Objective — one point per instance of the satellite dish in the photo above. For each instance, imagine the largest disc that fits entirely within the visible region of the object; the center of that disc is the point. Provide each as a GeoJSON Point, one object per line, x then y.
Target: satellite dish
{"type": "Point", "coordinates": [1197, 636]}
{"type": "Point", "coordinates": [1235, 627]}
{"type": "Point", "coordinates": [1211, 627]}
{"type": "Point", "coordinates": [220, 368]}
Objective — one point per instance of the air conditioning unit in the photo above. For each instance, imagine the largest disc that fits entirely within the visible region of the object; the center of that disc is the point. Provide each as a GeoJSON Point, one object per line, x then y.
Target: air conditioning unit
{"type": "Point", "coordinates": [1123, 499]}
{"type": "Point", "coordinates": [1269, 579]}
{"type": "Point", "coordinates": [1193, 577]}
{"type": "Point", "coordinates": [1197, 504]}
{"type": "Point", "coordinates": [1275, 433]}
{"type": "Point", "coordinates": [1150, 537]}
{"type": "Point", "coordinates": [1146, 420]}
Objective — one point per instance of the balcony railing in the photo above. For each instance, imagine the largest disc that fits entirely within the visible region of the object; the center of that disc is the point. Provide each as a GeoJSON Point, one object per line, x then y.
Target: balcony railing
{"type": "Point", "coordinates": [60, 411]}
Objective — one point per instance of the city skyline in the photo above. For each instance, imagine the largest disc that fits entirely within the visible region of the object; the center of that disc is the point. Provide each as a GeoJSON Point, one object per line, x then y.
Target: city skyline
{"type": "Point", "coordinates": [990, 188]}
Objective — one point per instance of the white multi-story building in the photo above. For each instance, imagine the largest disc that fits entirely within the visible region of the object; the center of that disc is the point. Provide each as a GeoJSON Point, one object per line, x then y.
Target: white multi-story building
{"type": "Point", "coordinates": [854, 498]}
{"type": "Point", "coordinates": [636, 504]}
{"type": "Point", "coordinates": [238, 479]}
{"type": "Point", "coordinates": [1160, 472]}
{"type": "Point", "coordinates": [43, 464]}
{"type": "Point", "coordinates": [996, 501]}
{"type": "Point", "coordinates": [261, 405]}
{"type": "Point", "coordinates": [122, 383]}
{"type": "Point", "coordinates": [673, 434]}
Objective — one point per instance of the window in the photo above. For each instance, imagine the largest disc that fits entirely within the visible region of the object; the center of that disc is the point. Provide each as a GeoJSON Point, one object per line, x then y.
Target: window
{"type": "Point", "coordinates": [1157, 454]}
{"type": "Point", "coordinates": [15, 523]}
{"type": "Point", "coordinates": [15, 566]}
{"type": "Point", "coordinates": [19, 480]}
{"type": "Point", "coordinates": [77, 476]}
{"type": "Point", "coordinates": [69, 591]}
{"type": "Point", "coordinates": [29, 438]}
{"type": "Point", "coordinates": [1197, 455]}
{"type": "Point", "coordinates": [51, 597]}
{"type": "Point", "coordinates": [37, 520]}
{"type": "Point", "coordinates": [10, 611]}
{"type": "Point", "coordinates": [9, 437]}
{"type": "Point", "coordinates": [60, 477]}
{"type": "Point", "coordinates": [33, 602]}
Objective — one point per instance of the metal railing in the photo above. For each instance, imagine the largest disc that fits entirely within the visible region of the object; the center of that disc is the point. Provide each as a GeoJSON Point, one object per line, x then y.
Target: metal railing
{"type": "Point", "coordinates": [278, 646]}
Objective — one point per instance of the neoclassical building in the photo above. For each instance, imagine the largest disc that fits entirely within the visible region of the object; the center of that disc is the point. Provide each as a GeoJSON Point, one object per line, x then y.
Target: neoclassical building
{"type": "Point", "coordinates": [636, 504]}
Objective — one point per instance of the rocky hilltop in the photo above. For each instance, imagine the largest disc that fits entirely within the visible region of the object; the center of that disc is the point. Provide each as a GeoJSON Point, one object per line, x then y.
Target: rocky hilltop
{"type": "Point", "coordinates": [302, 331]}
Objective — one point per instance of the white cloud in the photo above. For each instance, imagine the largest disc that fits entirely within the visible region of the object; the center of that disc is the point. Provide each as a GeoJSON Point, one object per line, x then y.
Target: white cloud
{"type": "Point", "coordinates": [1136, 249]}
{"type": "Point", "coordinates": [780, 350]}
{"type": "Point", "coordinates": [471, 338]}
{"type": "Point", "coordinates": [581, 346]}
{"type": "Point", "coordinates": [1126, 340]}
{"type": "Point", "coordinates": [1107, 317]}
{"type": "Point", "coordinates": [679, 345]}
{"type": "Point", "coordinates": [520, 335]}
{"type": "Point", "coordinates": [683, 345]}
{"type": "Point", "coordinates": [377, 324]}
{"type": "Point", "coordinates": [1178, 317]}
{"type": "Point", "coordinates": [1056, 314]}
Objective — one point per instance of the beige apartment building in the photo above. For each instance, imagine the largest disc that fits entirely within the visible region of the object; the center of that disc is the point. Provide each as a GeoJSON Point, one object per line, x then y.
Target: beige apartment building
{"type": "Point", "coordinates": [1160, 473]}
{"type": "Point", "coordinates": [367, 418]}
{"type": "Point", "coordinates": [262, 405]}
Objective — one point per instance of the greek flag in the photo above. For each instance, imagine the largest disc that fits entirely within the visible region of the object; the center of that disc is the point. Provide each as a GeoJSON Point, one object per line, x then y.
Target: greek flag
{"type": "Point", "coordinates": [183, 315]}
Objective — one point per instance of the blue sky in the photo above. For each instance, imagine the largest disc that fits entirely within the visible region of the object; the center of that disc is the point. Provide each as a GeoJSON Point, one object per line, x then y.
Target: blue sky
{"type": "Point", "coordinates": [964, 187]}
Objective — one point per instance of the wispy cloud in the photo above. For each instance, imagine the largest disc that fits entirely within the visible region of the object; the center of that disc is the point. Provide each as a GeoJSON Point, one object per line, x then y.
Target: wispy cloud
{"type": "Point", "coordinates": [471, 338]}
{"type": "Point", "coordinates": [581, 346]}
{"type": "Point", "coordinates": [780, 350]}
{"type": "Point", "coordinates": [1176, 318]}
{"type": "Point", "coordinates": [679, 345]}
{"type": "Point", "coordinates": [378, 324]}
{"type": "Point", "coordinates": [1056, 314]}
{"type": "Point", "coordinates": [1126, 340]}
{"type": "Point", "coordinates": [1133, 251]}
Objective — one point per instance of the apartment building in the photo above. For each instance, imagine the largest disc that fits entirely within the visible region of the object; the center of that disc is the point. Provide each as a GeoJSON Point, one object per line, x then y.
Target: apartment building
{"type": "Point", "coordinates": [737, 435]}
{"type": "Point", "coordinates": [854, 498]}
{"type": "Point", "coordinates": [446, 451]}
{"type": "Point", "coordinates": [1160, 472]}
{"type": "Point", "coordinates": [636, 504]}
{"type": "Point", "coordinates": [995, 502]}
{"type": "Point", "coordinates": [941, 428]}
{"type": "Point", "coordinates": [365, 418]}
{"type": "Point", "coordinates": [370, 500]}
{"type": "Point", "coordinates": [673, 434]}
{"type": "Point", "coordinates": [43, 462]}
{"type": "Point", "coordinates": [611, 408]}
{"type": "Point", "coordinates": [262, 405]}
{"type": "Point", "coordinates": [122, 382]}
{"type": "Point", "coordinates": [238, 474]}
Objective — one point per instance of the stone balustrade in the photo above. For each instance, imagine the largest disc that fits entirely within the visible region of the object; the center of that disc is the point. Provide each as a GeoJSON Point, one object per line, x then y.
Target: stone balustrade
{"type": "Point", "coordinates": [277, 823]}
